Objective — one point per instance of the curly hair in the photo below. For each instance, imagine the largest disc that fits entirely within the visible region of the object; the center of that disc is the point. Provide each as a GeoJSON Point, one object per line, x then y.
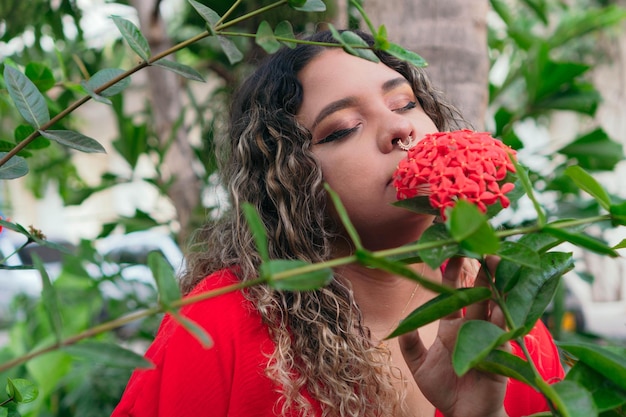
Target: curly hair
{"type": "Point", "coordinates": [321, 345]}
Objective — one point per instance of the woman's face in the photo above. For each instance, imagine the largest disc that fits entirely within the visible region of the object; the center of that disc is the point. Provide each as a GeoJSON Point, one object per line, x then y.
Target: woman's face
{"type": "Point", "coordinates": [357, 111]}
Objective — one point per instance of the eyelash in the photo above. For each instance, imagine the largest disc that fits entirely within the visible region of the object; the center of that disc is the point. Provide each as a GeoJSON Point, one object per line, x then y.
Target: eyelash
{"type": "Point", "coordinates": [342, 133]}
{"type": "Point", "coordinates": [338, 134]}
{"type": "Point", "coordinates": [409, 106]}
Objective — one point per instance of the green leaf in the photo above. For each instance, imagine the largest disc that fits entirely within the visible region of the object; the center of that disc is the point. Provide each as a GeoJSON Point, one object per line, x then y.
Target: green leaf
{"type": "Point", "coordinates": [21, 390]}
{"type": "Point", "coordinates": [441, 306]}
{"type": "Point", "coordinates": [594, 151]}
{"type": "Point", "coordinates": [606, 394]}
{"type": "Point", "coordinates": [296, 3]}
{"type": "Point", "coordinates": [359, 46]}
{"type": "Point", "coordinates": [49, 299]}
{"type": "Point", "coordinates": [133, 36]}
{"type": "Point", "coordinates": [542, 242]}
{"type": "Point", "coordinates": [22, 132]}
{"type": "Point", "coordinates": [284, 30]}
{"type": "Point", "coordinates": [522, 175]}
{"type": "Point", "coordinates": [381, 41]}
{"type": "Point", "coordinates": [436, 255]}
{"type": "Point", "coordinates": [609, 364]}
{"type": "Point", "coordinates": [12, 392]}
{"type": "Point", "coordinates": [350, 44]}
{"type": "Point", "coordinates": [233, 53]}
{"type": "Point", "coordinates": [528, 299]}
{"type": "Point", "coordinates": [132, 140]}
{"type": "Point", "coordinates": [48, 370]}
{"type": "Point", "coordinates": [475, 340]}
{"type": "Point", "coordinates": [15, 167]}
{"type": "Point", "coordinates": [583, 241]}
{"type": "Point", "coordinates": [507, 275]}
{"type": "Point", "coordinates": [30, 103]}
{"type": "Point", "coordinates": [576, 399]}
{"type": "Point", "coordinates": [193, 328]}
{"type": "Point", "coordinates": [556, 76]}
{"type": "Point", "coordinates": [581, 97]}
{"type": "Point", "coordinates": [258, 230]}
{"type": "Point", "coordinates": [366, 258]}
{"type": "Point", "coordinates": [108, 354]}
{"type": "Point", "coordinates": [575, 25]}
{"type": "Point", "coordinates": [540, 8]}
{"type": "Point", "coordinates": [103, 77]}
{"type": "Point", "coordinates": [40, 75]}
{"type": "Point", "coordinates": [265, 38]}
{"type": "Point", "coordinates": [308, 5]}
{"type": "Point", "coordinates": [209, 16]}
{"type": "Point", "coordinates": [519, 253]}
{"type": "Point", "coordinates": [620, 245]}
{"type": "Point", "coordinates": [405, 55]}
{"type": "Point", "coordinates": [97, 97]}
{"type": "Point", "coordinates": [618, 215]}
{"type": "Point", "coordinates": [343, 215]}
{"type": "Point", "coordinates": [512, 366]}
{"type": "Point", "coordinates": [73, 140]}
{"type": "Point", "coordinates": [180, 69]}
{"type": "Point", "coordinates": [587, 183]}
{"type": "Point", "coordinates": [469, 227]}
{"type": "Point", "coordinates": [302, 282]}
{"type": "Point", "coordinates": [164, 277]}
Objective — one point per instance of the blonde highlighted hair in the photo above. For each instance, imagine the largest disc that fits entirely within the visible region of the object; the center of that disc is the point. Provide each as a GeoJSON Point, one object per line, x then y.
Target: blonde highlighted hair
{"type": "Point", "coordinates": [321, 344]}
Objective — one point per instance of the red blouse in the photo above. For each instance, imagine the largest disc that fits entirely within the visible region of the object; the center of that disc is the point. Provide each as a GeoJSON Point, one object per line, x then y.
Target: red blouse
{"type": "Point", "coordinates": [228, 380]}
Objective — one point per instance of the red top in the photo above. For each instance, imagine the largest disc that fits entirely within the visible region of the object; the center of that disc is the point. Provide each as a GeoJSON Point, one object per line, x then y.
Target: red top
{"type": "Point", "coordinates": [228, 379]}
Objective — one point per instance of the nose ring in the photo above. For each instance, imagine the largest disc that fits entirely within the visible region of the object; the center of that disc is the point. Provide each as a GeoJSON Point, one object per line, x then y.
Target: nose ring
{"type": "Point", "coordinates": [407, 144]}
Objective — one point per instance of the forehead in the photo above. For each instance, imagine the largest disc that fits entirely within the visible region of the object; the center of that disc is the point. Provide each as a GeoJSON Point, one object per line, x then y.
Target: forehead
{"type": "Point", "coordinates": [334, 75]}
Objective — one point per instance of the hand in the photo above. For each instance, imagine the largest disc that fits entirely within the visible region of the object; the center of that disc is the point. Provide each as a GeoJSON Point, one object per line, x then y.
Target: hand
{"type": "Point", "coordinates": [475, 394]}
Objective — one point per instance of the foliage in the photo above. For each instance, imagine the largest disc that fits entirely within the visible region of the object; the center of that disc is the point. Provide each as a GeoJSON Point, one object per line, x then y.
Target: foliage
{"type": "Point", "coordinates": [68, 325]}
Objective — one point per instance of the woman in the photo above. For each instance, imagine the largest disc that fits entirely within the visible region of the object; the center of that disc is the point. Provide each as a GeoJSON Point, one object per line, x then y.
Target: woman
{"type": "Point", "coordinates": [311, 115]}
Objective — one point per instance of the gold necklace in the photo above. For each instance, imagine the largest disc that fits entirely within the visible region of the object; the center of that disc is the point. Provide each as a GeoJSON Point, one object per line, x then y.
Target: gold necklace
{"type": "Point", "coordinates": [417, 285]}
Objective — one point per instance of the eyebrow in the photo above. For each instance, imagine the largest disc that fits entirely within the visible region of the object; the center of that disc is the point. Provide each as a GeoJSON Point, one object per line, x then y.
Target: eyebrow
{"type": "Point", "coordinates": [347, 102]}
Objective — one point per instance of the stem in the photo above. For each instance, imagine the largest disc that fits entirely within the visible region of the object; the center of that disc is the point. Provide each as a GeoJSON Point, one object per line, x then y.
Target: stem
{"type": "Point", "coordinates": [233, 22]}
{"type": "Point", "coordinates": [5, 402]}
{"type": "Point", "coordinates": [294, 272]}
{"type": "Point", "coordinates": [228, 13]}
{"type": "Point", "coordinates": [545, 388]}
{"type": "Point", "coordinates": [28, 242]}
{"type": "Point", "coordinates": [368, 22]}
{"type": "Point", "coordinates": [293, 40]}
{"type": "Point", "coordinates": [113, 324]}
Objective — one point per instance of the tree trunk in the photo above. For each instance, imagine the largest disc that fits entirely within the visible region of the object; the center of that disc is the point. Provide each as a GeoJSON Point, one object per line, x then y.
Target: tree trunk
{"type": "Point", "coordinates": [452, 36]}
{"type": "Point", "coordinates": [164, 87]}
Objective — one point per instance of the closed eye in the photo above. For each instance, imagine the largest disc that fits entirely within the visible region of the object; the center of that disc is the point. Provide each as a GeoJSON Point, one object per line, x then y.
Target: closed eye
{"type": "Point", "coordinates": [338, 134]}
{"type": "Point", "coordinates": [409, 106]}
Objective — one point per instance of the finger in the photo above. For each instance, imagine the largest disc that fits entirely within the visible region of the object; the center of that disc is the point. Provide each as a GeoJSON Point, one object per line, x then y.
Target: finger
{"type": "Point", "coordinates": [452, 272]}
{"type": "Point", "coordinates": [497, 316]}
{"type": "Point", "coordinates": [413, 350]}
{"type": "Point", "coordinates": [451, 278]}
{"type": "Point", "coordinates": [481, 310]}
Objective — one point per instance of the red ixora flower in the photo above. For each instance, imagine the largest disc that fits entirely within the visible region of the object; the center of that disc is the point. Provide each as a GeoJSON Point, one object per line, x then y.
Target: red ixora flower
{"type": "Point", "coordinates": [450, 166]}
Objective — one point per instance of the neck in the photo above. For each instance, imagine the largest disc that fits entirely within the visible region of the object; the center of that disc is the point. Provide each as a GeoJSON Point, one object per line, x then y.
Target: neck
{"type": "Point", "coordinates": [384, 298]}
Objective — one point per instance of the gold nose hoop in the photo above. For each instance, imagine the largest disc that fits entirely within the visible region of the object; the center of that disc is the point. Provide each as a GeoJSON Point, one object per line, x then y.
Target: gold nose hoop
{"type": "Point", "coordinates": [407, 144]}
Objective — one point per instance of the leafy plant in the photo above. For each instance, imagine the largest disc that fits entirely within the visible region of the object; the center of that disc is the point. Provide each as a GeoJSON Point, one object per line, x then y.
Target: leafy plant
{"type": "Point", "coordinates": [525, 283]}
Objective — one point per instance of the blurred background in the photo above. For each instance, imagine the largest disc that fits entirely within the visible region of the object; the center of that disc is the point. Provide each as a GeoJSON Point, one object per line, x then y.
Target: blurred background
{"type": "Point", "coordinates": [548, 77]}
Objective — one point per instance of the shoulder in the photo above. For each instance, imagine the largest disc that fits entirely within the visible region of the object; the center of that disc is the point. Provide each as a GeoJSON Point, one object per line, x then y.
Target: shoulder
{"type": "Point", "coordinates": [189, 377]}
{"type": "Point", "coordinates": [218, 307]}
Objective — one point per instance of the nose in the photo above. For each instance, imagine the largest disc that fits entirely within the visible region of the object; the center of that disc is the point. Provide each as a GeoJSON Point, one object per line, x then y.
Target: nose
{"type": "Point", "coordinates": [396, 128]}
